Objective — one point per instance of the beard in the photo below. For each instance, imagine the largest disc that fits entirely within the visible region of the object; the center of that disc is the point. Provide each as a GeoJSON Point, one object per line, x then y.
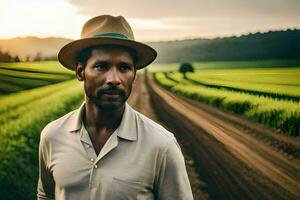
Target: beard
{"type": "Point", "coordinates": [108, 98]}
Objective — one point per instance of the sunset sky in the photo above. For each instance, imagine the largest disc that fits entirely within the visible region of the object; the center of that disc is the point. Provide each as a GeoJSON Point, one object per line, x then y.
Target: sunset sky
{"type": "Point", "coordinates": [151, 20]}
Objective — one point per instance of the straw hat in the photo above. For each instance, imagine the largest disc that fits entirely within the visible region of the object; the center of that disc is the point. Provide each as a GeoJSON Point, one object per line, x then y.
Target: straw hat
{"type": "Point", "coordinates": [101, 30]}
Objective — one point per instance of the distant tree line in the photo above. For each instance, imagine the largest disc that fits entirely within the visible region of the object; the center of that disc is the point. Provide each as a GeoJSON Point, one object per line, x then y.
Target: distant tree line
{"type": "Point", "coordinates": [7, 57]}
{"type": "Point", "coordinates": [256, 46]}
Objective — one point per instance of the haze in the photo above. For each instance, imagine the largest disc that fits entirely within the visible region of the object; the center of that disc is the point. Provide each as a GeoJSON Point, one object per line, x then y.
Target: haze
{"type": "Point", "coordinates": [151, 20]}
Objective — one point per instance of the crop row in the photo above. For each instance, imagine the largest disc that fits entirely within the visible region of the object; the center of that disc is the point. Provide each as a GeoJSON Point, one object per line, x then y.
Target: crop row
{"type": "Point", "coordinates": [272, 76]}
{"type": "Point", "coordinates": [276, 91]}
{"type": "Point", "coordinates": [288, 92]}
{"type": "Point", "coordinates": [14, 78]}
{"type": "Point", "coordinates": [44, 66]}
{"type": "Point", "coordinates": [279, 114]}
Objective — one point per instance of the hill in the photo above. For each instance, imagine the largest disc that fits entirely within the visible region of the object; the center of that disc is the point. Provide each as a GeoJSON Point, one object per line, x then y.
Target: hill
{"type": "Point", "coordinates": [32, 46]}
{"type": "Point", "coordinates": [256, 46]}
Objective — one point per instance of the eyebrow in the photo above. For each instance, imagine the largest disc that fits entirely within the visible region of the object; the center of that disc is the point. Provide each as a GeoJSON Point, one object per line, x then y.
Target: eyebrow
{"type": "Point", "coordinates": [126, 63]}
{"type": "Point", "coordinates": [106, 62]}
{"type": "Point", "coordinates": [100, 62]}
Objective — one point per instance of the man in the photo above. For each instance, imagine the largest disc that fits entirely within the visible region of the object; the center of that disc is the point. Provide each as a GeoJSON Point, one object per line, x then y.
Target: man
{"type": "Point", "coordinates": [106, 149]}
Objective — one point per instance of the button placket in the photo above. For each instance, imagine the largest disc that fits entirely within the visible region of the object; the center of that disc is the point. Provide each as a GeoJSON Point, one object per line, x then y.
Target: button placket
{"type": "Point", "coordinates": [92, 183]}
{"type": "Point", "coordinates": [94, 163]}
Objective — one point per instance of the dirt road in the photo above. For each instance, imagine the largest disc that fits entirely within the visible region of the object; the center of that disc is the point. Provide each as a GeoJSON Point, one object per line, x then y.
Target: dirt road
{"type": "Point", "coordinates": [224, 158]}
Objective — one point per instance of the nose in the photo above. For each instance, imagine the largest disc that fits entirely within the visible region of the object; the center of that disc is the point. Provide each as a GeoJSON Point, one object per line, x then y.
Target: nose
{"type": "Point", "coordinates": [113, 77]}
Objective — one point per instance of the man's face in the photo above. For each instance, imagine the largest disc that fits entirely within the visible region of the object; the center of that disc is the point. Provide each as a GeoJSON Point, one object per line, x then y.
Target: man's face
{"type": "Point", "coordinates": [108, 77]}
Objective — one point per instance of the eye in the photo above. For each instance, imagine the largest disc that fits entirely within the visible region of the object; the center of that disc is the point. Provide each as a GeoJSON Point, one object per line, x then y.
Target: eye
{"type": "Point", "coordinates": [101, 66]}
{"type": "Point", "coordinates": [125, 67]}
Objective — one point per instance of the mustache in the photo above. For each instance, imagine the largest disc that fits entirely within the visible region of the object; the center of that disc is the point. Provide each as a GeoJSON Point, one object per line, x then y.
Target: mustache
{"type": "Point", "coordinates": [109, 89]}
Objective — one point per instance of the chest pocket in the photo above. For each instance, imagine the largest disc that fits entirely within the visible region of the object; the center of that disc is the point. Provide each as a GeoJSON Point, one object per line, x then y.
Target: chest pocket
{"type": "Point", "coordinates": [124, 189]}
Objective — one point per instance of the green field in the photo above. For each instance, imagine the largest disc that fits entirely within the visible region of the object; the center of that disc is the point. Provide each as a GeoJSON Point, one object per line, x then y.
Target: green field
{"type": "Point", "coordinates": [279, 114]}
{"type": "Point", "coordinates": [25, 112]}
{"type": "Point", "coordinates": [23, 116]}
{"type": "Point", "coordinates": [276, 82]}
{"type": "Point", "coordinates": [16, 77]}
{"type": "Point", "coordinates": [227, 65]}
{"type": "Point", "coordinates": [43, 66]}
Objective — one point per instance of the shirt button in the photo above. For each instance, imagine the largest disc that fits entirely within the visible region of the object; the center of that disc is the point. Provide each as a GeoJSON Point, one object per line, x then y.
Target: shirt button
{"type": "Point", "coordinates": [88, 146]}
{"type": "Point", "coordinates": [92, 159]}
{"type": "Point", "coordinates": [96, 166]}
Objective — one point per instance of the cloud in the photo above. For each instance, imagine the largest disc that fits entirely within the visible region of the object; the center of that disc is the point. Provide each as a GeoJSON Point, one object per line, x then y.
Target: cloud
{"type": "Point", "coordinates": [188, 8]}
{"type": "Point", "coordinates": [40, 18]}
{"type": "Point", "coordinates": [150, 20]}
{"type": "Point", "coordinates": [171, 19]}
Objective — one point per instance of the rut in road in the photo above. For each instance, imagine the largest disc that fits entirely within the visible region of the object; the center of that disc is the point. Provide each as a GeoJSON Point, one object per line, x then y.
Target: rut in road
{"type": "Point", "coordinates": [233, 164]}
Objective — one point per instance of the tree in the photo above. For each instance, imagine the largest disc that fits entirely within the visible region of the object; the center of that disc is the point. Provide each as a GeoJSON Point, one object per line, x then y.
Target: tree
{"type": "Point", "coordinates": [27, 58]}
{"type": "Point", "coordinates": [16, 59]}
{"type": "Point", "coordinates": [5, 57]}
{"type": "Point", "coordinates": [38, 56]}
{"type": "Point", "coordinates": [184, 68]}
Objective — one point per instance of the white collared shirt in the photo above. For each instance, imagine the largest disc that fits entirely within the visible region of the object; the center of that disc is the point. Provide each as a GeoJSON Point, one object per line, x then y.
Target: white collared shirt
{"type": "Point", "coordinates": [140, 160]}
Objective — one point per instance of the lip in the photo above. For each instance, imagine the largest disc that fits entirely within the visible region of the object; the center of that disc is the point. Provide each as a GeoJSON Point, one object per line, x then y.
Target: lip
{"type": "Point", "coordinates": [112, 92]}
{"type": "Point", "coordinates": [111, 95]}
{"type": "Point", "coordinates": [106, 94]}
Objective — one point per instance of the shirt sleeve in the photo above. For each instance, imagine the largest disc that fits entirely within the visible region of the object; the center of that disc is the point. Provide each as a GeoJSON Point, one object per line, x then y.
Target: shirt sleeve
{"type": "Point", "coordinates": [46, 184]}
{"type": "Point", "coordinates": [173, 182]}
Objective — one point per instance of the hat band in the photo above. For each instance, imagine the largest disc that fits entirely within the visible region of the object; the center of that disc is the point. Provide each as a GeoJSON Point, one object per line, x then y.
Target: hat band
{"type": "Point", "coordinates": [117, 35]}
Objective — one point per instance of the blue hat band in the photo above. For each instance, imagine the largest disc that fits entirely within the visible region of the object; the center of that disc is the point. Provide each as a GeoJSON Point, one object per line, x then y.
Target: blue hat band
{"type": "Point", "coordinates": [116, 35]}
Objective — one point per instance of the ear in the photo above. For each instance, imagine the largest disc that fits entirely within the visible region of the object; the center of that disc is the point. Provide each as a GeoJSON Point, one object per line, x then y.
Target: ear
{"type": "Point", "coordinates": [80, 72]}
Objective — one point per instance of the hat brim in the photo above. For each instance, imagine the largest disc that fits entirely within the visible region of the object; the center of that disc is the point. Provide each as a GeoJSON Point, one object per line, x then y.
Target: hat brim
{"type": "Point", "coordinates": [68, 55]}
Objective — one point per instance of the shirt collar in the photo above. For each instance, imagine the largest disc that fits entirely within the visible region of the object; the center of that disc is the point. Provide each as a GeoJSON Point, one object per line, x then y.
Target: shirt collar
{"type": "Point", "coordinates": [128, 126]}
{"type": "Point", "coordinates": [126, 130]}
{"type": "Point", "coordinates": [75, 120]}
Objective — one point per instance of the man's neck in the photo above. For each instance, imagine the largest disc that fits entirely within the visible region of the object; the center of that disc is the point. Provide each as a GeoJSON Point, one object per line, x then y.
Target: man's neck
{"type": "Point", "coordinates": [97, 120]}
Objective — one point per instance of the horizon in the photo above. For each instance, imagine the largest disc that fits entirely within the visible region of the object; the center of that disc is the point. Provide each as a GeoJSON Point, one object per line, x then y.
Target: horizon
{"type": "Point", "coordinates": [153, 21]}
{"type": "Point", "coordinates": [158, 41]}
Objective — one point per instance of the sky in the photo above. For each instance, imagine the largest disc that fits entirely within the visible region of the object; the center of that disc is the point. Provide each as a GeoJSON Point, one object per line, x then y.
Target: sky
{"type": "Point", "coordinates": [151, 20]}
